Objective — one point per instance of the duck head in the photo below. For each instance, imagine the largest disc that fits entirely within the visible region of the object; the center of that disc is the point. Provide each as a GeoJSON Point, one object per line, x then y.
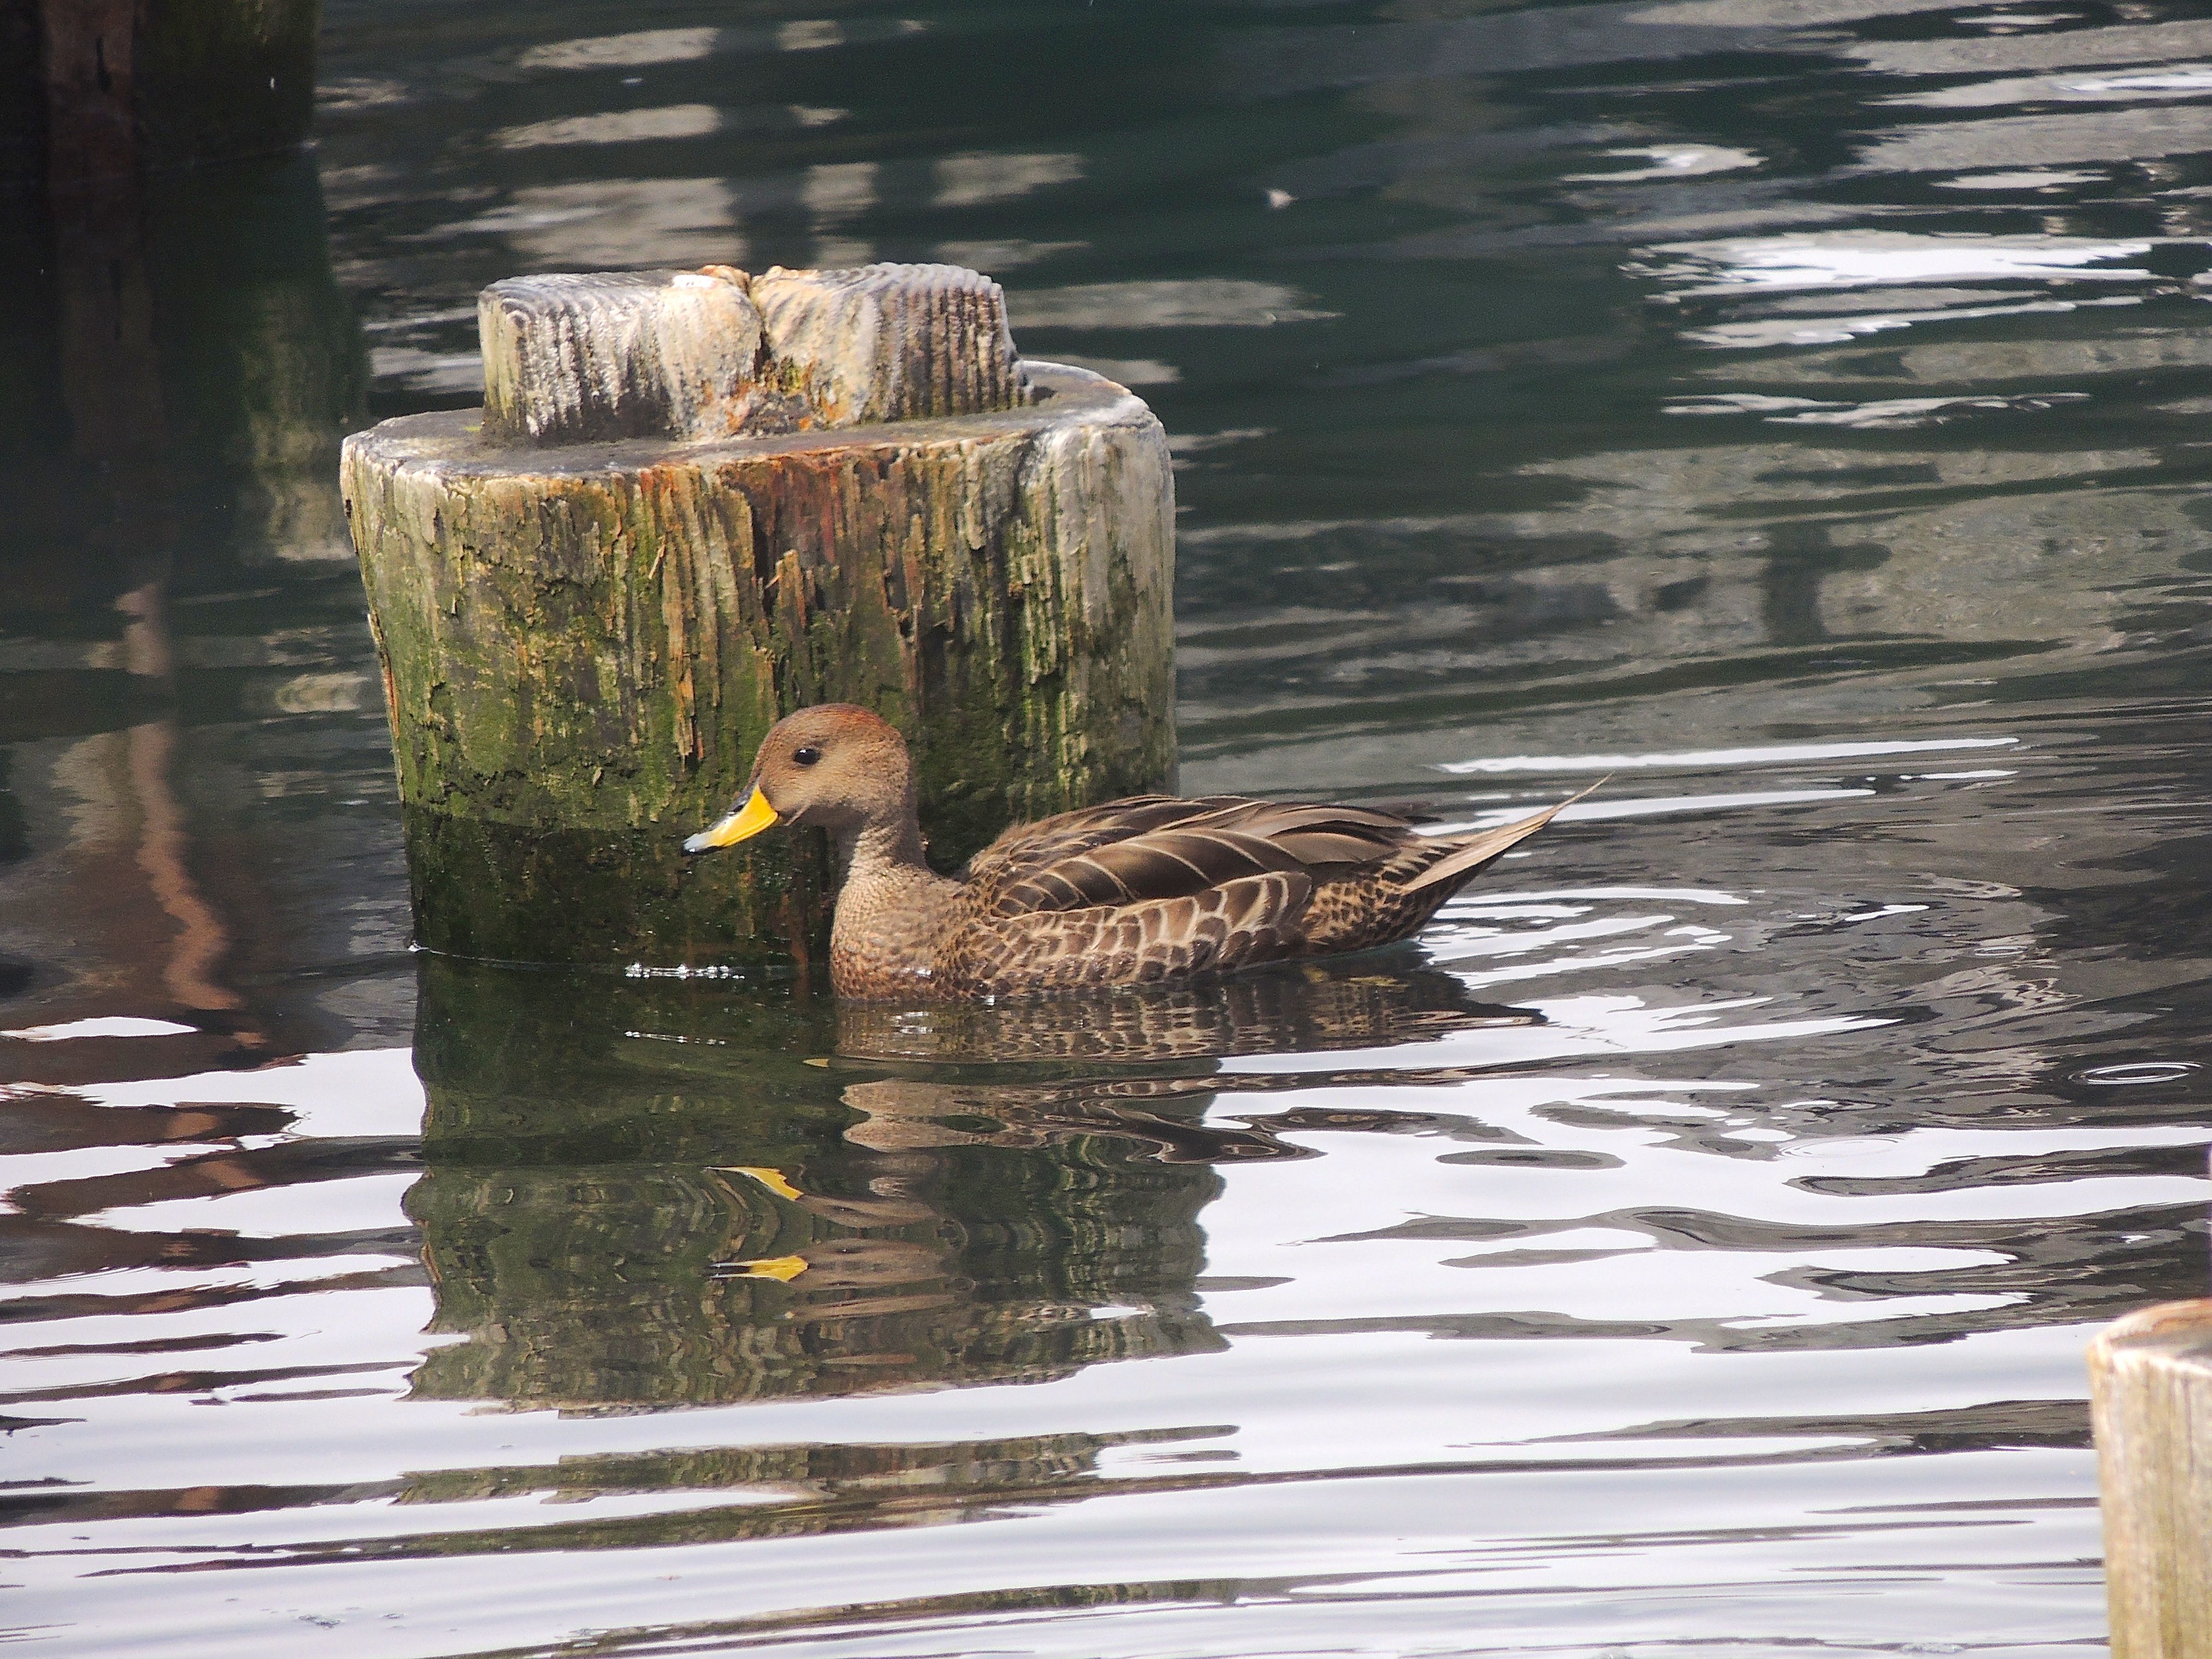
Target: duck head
{"type": "Point", "coordinates": [834, 767]}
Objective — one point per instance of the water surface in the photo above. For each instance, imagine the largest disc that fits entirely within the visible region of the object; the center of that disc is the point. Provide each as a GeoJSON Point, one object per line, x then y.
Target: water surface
{"type": "Point", "coordinates": [1794, 411]}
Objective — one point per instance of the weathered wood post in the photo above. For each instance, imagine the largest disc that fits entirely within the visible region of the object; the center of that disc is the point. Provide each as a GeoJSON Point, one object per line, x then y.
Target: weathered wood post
{"type": "Point", "coordinates": [695, 501]}
{"type": "Point", "coordinates": [2150, 1388]}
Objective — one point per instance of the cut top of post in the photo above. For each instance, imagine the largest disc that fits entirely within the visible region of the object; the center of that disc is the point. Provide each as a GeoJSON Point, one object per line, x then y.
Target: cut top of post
{"type": "Point", "coordinates": [717, 353]}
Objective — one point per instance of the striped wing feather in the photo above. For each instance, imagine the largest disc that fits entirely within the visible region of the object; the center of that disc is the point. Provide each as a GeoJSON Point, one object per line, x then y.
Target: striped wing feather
{"type": "Point", "coordinates": [1028, 847]}
{"type": "Point", "coordinates": [1153, 889]}
{"type": "Point", "coordinates": [1162, 890]}
{"type": "Point", "coordinates": [1152, 847]}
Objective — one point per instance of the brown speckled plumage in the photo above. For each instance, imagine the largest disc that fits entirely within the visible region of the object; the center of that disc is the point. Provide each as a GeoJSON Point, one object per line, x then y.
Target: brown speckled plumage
{"type": "Point", "coordinates": [1136, 891]}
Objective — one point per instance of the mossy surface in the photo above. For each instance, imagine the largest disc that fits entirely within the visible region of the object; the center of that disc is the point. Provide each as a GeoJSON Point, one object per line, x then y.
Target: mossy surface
{"type": "Point", "coordinates": [585, 647]}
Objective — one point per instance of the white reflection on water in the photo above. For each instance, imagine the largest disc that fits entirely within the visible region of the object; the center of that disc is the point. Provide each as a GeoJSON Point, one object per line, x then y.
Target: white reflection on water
{"type": "Point", "coordinates": [2181, 82]}
{"type": "Point", "coordinates": [2038, 181]}
{"type": "Point", "coordinates": [2140, 42]}
{"type": "Point", "coordinates": [1680, 161]}
{"type": "Point", "coordinates": [364, 1203]}
{"type": "Point", "coordinates": [1836, 330]}
{"type": "Point", "coordinates": [627, 126]}
{"type": "Point", "coordinates": [971, 181]}
{"type": "Point", "coordinates": [1864, 257]}
{"type": "Point", "coordinates": [1756, 755]}
{"type": "Point", "coordinates": [1589, 810]}
{"type": "Point", "coordinates": [643, 48]}
{"type": "Point", "coordinates": [2067, 139]}
{"type": "Point", "coordinates": [601, 223]}
{"type": "Point", "coordinates": [361, 1092]}
{"type": "Point", "coordinates": [110, 1025]}
{"type": "Point", "coordinates": [1870, 262]}
{"type": "Point", "coordinates": [1880, 414]}
{"type": "Point", "coordinates": [633, 51]}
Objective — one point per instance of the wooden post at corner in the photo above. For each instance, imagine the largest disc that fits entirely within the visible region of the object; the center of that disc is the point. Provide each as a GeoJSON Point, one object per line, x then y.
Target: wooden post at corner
{"type": "Point", "coordinates": [2150, 1384]}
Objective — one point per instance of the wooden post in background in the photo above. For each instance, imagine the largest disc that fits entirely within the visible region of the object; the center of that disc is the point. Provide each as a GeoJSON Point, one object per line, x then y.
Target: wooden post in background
{"type": "Point", "coordinates": [183, 367]}
{"type": "Point", "coordinates": [696, 500]}
{"type": "Point", "coordinates": [2150, 1384]}
{"type": "Point", "coordinates": [99, 89]}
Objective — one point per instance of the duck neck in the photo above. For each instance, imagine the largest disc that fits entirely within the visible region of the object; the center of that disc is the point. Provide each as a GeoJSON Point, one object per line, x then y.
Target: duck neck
{"type": "Point", "coordinates": [880, 847]}
{"type": "Point", "coordinates": [892, 909]}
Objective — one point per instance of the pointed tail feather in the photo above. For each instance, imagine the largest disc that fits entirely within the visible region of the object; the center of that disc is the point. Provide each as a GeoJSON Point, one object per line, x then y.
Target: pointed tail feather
{"type": "Point", "coordinates": [1464, 861]}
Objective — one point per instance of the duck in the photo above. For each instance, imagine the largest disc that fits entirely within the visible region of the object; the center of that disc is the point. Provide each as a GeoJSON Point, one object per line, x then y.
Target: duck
{"type": "Point", "coordinates": [1145, 891]}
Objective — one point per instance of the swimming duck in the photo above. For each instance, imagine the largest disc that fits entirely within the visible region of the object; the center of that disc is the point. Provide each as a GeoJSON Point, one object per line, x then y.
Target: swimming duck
{"type": "Point", "coordinates": [1133, 892]}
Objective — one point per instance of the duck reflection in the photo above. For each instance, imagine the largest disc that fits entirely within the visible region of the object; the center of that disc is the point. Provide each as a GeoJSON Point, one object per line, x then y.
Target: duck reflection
{"type": "Point", "coordinates": [1370, 1002]}
{"type": "Point", "coordinates": [1156, 1117]}
{"type": "Point", "coordinates": [661, 1196]}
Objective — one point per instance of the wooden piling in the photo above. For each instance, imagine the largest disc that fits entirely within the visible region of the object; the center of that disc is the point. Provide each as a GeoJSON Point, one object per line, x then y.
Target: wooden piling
{"type": "Point", "coordinates": [2150, 1384]}
{"type": "Point", "coordinates": [697, 499]}
{"type": "Point", "coordinates": [93, 90]}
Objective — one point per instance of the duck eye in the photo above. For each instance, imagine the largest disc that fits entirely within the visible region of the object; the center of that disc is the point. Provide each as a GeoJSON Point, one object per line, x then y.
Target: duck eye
{"type": "Point", "coordinates": [807, 756]}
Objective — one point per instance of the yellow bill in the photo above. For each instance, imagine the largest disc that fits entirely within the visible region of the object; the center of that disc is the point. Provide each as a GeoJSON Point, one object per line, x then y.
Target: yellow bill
{"type": "Point", "coordinates": [783, 1268]}
{"type": "Point", "coordinates": [749, 820]}
{"type": "Point", "coordinates": [771, 1179]}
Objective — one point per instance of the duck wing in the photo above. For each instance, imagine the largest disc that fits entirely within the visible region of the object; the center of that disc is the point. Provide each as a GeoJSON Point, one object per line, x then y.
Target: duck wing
{"type": "Point", "coordinates": [1156, 848]}
{"type": "Point", "coordinates": [1156, 889]}
{"type": "Point", "coordinates": [1028, 846]}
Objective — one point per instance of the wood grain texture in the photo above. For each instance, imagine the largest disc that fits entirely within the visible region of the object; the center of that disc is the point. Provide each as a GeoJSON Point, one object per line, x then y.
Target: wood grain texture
{"type": "Point", "coordinates": [577, 359]}
{"type": "Point", "coordinates": [2150, 1377]}
{"type": "Point", "coordinates": [715, 353]}
{"type": "Point", "coordinates": [889, 342]}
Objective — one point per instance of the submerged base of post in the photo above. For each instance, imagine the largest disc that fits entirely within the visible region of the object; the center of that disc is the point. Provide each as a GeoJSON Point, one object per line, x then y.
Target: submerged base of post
{"type": "Point", "coordinates": [504, 892]}
{"type": "Point", "coordinates": [2150, 1384]}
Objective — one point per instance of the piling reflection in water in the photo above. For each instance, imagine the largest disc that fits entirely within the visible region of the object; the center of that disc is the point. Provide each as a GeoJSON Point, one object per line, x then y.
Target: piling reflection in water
{"type": "Point", "coordinates": [659, 1197]}
{"type": "Point", "coordinates": [176, 447]}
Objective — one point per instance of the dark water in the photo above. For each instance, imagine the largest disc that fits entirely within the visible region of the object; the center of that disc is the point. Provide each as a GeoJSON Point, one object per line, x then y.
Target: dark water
{"type": "Point", "coordinates": [1797, 409]}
